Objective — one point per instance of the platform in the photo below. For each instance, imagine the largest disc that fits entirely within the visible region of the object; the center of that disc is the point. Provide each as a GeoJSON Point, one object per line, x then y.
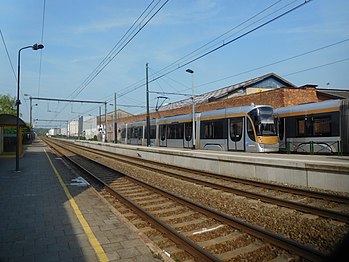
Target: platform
{"type": "Point", "coordinates": [40, 223]}
{"type": "Point", "coordinates": [325, 172]}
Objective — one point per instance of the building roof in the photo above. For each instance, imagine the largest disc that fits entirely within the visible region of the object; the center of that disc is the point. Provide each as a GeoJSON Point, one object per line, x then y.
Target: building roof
{"type": "Point", "coordinates": [335, 93]}
{"type": "Point", "coordinates": [10, 120]}
{"type": "Point", "coordinates": [224, 92]}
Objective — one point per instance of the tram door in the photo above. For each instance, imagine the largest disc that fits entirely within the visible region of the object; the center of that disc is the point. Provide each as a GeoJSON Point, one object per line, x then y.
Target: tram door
{"type": "Point", "coordinates": [162, 135]}
{"type": "Point", "coordinates": [236, 139]}
{"type": "Point", "coordinates": [188, 133]}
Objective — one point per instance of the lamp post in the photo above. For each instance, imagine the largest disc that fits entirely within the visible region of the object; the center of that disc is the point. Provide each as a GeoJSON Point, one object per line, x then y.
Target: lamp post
{"type": "Point", "coordinates": [193, 104]}
{"type": "Point", "coordinates": [18, 102]}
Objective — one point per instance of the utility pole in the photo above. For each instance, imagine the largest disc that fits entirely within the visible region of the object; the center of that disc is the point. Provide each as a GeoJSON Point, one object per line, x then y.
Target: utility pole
{"type": "Point", "coordinates": [147, 96]}
{"type": "Point", "coordinates": [100, 120]}
{"type": "Point", "coordinates": [105, 122]}
{"type": "Point", "coordinates": [115, 121]}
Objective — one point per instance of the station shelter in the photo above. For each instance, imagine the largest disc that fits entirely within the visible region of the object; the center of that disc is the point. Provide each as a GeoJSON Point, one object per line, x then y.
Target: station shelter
{"type": "Point", "coordinates": [8, 136]}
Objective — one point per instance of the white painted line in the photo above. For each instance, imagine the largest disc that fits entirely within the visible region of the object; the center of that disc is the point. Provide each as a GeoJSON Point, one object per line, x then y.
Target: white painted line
{"type": "Point", "coordinates": [204, 230]}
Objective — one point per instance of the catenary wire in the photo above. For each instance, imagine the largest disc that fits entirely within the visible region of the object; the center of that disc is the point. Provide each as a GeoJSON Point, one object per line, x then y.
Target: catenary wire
{"type": "Point", "coordinates": [275, 63]}
{"type": "Point", "coordinates": [278, 62]}
{"type": "Point", "coordinates": [42, 40]}
{"type": "Point", "coordinates": [82, 87]}
{"type": "Point", "coordinates": [8, 56]}
{"type": "Point", "coordinates": [112, 50]}
{"type": "Point", "coordinates": [219, 47]}
{"type": "Point", "coordinates": [319, 66]}
{"type": "Point", "coordinates": [217, 38]}
{"type": "Point", "coordinates": [120, 49]}
{"type": "Point", "coordinates": [140, 82]}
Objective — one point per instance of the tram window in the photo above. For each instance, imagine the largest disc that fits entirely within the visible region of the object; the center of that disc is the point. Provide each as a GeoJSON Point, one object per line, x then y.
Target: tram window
{"type": "Point", "coordinates": [123, 133]}
{"type": "Point", "coordinates": [175, 131]}
{"type": "Point", "coordinates": [301, 127]}
{"type": "Point", "coordinates": [281, 125]}
{"type": "Point", "coordinates": [214, 129]}
{"type": "Point", "coordinates": [188, 129]}
{"type": "Point", "coordinates": [236, 126]}
{"type": "Point", "coordinates": [305, 127]}
{"type": "Point", "coordinates": [139, 132]}
{"type": "Point", "coordinates": [250, 130]}
{"type": "Point", "coordinates": [135, 132]}
{"type": "Point", "coordinates": [162, 132]}
{"type": "Point", "coordinates": [180, 131]}
{"type": "Point", "coordinates": [152, 132]}
{"type": "Point", "coordinates": [322, 126]}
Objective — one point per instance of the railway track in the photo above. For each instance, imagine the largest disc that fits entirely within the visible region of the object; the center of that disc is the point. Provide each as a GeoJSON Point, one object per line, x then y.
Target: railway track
{"type": "Point", "coordinates": [183, 221]}
{"type": "Point", "coordinates": [270, 193]}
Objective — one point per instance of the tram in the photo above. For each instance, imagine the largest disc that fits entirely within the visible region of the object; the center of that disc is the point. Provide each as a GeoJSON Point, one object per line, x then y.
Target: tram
{"type": "Point", "coordinates": [321, 127]}
{"type": "Point", "coordinates": [247, 128]}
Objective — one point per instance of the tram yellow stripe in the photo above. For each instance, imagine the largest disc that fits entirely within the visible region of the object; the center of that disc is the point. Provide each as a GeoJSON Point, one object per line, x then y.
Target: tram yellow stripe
{"type": "Point", "coordinates": [91, 237]}
{"type": "Point", "coordinates": [309, 112]}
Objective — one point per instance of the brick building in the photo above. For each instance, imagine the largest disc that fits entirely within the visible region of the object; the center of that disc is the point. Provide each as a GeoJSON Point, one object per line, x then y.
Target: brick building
{"type": "Point", "coordinates": [269, 89]}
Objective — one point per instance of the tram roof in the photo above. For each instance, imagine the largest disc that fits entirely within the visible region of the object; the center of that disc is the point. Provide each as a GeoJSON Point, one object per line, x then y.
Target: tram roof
{"type": "Point", "coordinates": [231, 111]}
{"type": "Point", "coordinates": [310, 108]}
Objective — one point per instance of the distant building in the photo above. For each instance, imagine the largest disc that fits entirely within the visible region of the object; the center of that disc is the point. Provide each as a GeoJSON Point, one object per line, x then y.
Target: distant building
{"type": "Point", "coordinates": [89, 127]}
{"type": "Point", "coordinates": [112, 118]}
{"type": "Point", "coordinates": [73, 128]}
{"type": "Point", "coordinates": [54, 131]}
{"type": "Point", "coordinates": [64, 131]}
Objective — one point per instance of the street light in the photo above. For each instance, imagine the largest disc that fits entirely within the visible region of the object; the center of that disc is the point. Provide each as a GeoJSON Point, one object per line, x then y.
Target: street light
{"type": "Point", "coordinates": [18, 102]}
{"type": "Point", "coordinates": [193, 103]}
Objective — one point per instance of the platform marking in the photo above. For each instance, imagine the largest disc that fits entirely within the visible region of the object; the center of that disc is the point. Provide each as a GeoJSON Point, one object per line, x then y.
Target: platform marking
{"type": "Point", "coordinates": [91, 237]}
{"type": "Point", "coordinates": [79, 181]}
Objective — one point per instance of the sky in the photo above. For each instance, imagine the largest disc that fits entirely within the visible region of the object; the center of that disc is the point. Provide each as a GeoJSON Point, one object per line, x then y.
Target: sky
{"type": "Point", "coordinates": [223, 41]}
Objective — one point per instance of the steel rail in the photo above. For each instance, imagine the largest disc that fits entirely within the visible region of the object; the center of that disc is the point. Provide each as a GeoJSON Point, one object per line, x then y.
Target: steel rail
{"type": "Point", "coordinates": [265, 198]}
{"type": "Point", "coordinates": [259, 232]}
{"type": "Point", "coordinates": [186, 244]}
{"type": "Point", "coordinates": [286, 189]}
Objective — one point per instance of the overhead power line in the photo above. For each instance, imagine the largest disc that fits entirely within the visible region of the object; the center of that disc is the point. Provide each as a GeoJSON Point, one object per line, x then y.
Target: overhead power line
{"type": "Point", "coordinates": [233, 40]}
{"type": "Point", "coordinates": [131, 33]}
{"type": "Point", "coordinates": [123, 42]}
{"type": "Point", "coordinates": [213, 43]}
{"type": "Point", "coordinates": [174, 67]}
{"type": "Point", "coordinates": [319, 66]}
{"type": "Point", "coordinates": [8, 56]}
{"type": "Point", "coordinates": [277, 62]}
{"type": "Point", "coordinates": [42, 40]}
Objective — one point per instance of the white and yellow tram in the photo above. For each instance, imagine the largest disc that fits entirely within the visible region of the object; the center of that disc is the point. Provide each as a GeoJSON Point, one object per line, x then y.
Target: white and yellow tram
{"type": "Point", "coordinates": [247, 128]}
{"type": "Point", "coordinates": [320, 127]}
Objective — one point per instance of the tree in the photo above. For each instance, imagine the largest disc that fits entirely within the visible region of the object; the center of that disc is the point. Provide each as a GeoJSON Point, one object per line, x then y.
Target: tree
{"type": "Point", "coordinates": [7, 105]}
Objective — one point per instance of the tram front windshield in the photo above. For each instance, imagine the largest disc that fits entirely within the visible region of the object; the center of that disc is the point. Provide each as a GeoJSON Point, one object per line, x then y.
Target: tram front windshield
{"type": "Point", "coordinates": [263, 121]}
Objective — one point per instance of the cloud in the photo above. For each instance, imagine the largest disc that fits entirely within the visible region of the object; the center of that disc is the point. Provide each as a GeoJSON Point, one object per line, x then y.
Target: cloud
{"type": "Point", "coordinates": [104, 25]}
